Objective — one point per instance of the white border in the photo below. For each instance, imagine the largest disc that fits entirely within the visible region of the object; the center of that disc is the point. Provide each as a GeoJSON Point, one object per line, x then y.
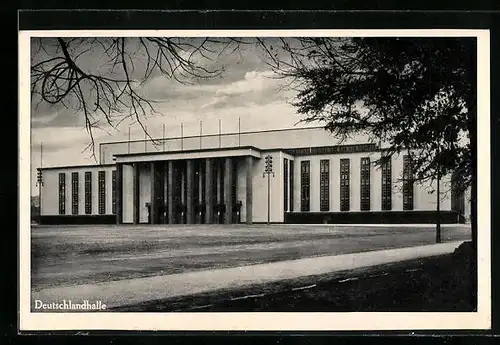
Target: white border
{"type": "Point", "coordinates": [261, 321]}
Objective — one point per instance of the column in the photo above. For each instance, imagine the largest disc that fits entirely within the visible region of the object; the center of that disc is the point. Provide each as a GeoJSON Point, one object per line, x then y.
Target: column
{"type": "Point", "coordinates": [135, 186]}
{"type": "Point", "coordinates": [228, 200]}
{"type": "Point", "coordinates": [189, 191]}
{"type": "Point", "coordinates": [170, 191]}
{"type": "Point", "coordinates": [154, 207]}
{"type": "Point", "coordinates": [119, 193]}
{"type": "Point", "coordinates": [209, 191]}
{"type": "Point", "coordinates": [249, 191]}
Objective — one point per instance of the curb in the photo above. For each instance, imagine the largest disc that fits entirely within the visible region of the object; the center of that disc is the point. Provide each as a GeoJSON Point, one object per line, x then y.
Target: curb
{"type": "Point", "coordinates": [139, 290]}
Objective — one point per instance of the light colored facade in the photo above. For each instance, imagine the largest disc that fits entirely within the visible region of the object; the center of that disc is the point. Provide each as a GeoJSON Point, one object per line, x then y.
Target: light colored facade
{"type": "Point", "coordinates": [194, 179]}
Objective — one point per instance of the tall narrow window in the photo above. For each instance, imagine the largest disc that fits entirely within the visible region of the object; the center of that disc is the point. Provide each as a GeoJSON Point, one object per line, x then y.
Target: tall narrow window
{"type": "Point", "coordinates": [196, 183]}
{"type": "Point", "coordinates": [305, 185]}
{"type": "Point", "coordinates": [344, 184]}
{"type": "Point", "coordinates": [222, 171]}
{"type": "Point", "coordinates": [234, 182]}
{"type": "Point", "coordinates": [324, 185]}
{"type": "Point", "coordinates": [215, 179]}
{"type": "Point", "coordinates": [285, 185]}
{"type": "Point", "coordinates": [74, 193]}
{"type": "Point", "coordinates": [113, 192]}
{"type": "Point", "coordinates": [407, 184]}
{"type": "Point", "coordinates": [88, 192]}
{"type": "Point", "coordinates": [457, 195]}
{"type": "Point", "coordinates": [291, 186]}
{"type": "Point", "coordinates": [102, 192]}
{"type": "Point", "coordinates": [386, 183]}
{"type": "Point", "coordinates": [365, 183]}
{"type": "Point", "coordinates": [203, 182]}
{"type": "Point", "coordinates": [62, 193]}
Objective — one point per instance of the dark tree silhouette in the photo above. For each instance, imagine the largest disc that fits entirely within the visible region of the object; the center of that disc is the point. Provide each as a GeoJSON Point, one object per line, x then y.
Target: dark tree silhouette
{"type": "Point", "coordinates": [412, 94]}
{"type": "Point", "coordinates": [101, 77]}
{"type": "Point", "coordinates": [416, 94]}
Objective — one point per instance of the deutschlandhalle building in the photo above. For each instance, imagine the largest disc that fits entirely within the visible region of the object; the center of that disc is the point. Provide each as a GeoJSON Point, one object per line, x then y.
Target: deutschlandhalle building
{"type": "Point", "coordinates": [298, 175]}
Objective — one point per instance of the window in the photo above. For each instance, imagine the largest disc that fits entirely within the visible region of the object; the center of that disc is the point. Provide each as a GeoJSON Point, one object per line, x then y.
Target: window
{"type": "Point", "coordinates": [113, 191]}
{"type": "Point", "coordinates": [88, 192]}
{"type": "Point", "coordinates": [386, 183]}
{"type": "Point", "coordinates": [285, 185]}
{"type": "Point", "coordinates": [291, 186]}
{"type": "Point", "coordinates": [305, 169]}
{"type": "Point", "coordinates": [62, 193]}
{"type": "Point", "coordinates": [74, 193]}
{"type": "Point", "coordinates": [457, 195]}
{"type": "Point", "coordinates": [324, 185]}
{"type": "Point", "coordinates": [222, 171]}
{"type": "Point", "coordinates": [407, 184]}
{"type": "Point", "coordinates": [203, 182]}
{"type": "Point", "coordinates": [234, 182]}
{"type": "Point", "coordinates": [215, 179]}
{"type": "Point", "coordinates": [365, 183]}
{"type": "Point", "coordinates": [344, 184]}
{"type": "Point", "coordinates": [102, 192]}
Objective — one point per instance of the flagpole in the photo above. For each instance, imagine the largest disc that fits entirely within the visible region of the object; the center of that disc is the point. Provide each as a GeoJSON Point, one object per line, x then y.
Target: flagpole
{"type": "Point", "coordinates": [128, 139]}
{"type": "Point", "coordinates": [239, 131]}
{"type": "Point", "coordinates": [145, 141]}
{"type": "Point", "coordinates": [219, 135]}
{"type": "Point", "coordinates": [182, 136]}
{"type": "Point", "coordinates": [163, 141]}
{"type": "Point", "coordinates": [40, 179]}
{"type": "Point", "coordinates": [201, 132]}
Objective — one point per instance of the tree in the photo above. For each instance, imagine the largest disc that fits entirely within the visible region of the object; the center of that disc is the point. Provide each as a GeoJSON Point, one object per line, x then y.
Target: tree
{"type": "Point", "coordinates": [101, 77]}
{"type": "Point", "coordinates": [415, 95]}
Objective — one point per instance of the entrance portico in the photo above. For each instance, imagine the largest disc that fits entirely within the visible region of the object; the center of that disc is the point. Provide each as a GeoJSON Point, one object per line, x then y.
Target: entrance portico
{"type": "Point", "coordinates": [186, 187]}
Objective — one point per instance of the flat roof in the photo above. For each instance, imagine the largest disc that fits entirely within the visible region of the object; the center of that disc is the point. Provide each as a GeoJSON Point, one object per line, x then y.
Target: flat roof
{"type": "Point", "coordinates": [187, 151]}
{"type": "Point", "coordinates": [77, 166]}
{"type": "Point", "coordinates": [212, 135]}
{"type": "Point", "coordinates": [188, 154]}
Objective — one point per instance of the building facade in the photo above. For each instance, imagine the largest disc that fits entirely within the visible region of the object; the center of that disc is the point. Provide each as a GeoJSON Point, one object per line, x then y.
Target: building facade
{"type": "Point", "coordinates": [312, 178]}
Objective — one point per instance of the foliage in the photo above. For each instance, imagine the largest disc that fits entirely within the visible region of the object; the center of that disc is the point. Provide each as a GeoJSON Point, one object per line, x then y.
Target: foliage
{"type": "Point", "coordinates": [415, 94]}
{"type": "Point", "coordinates": [64, 72]}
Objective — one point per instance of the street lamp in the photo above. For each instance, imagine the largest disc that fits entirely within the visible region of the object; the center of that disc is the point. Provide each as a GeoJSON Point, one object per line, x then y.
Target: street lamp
{"type": "Point", "coordinates": [268, 170]}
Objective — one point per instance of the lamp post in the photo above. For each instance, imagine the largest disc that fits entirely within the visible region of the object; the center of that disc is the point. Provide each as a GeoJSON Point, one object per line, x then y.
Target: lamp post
{"type": "Point", "coordinates": [268, 170]}
{"type": "Point", "coordinates": [438, 211]}
{"type": "Point", "coordinates": [39, 183]}
{"type": "Point", "coordinates": [438, 204]}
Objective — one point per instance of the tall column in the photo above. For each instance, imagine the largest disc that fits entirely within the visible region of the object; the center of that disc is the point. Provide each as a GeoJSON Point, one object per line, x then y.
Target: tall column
{"type": "Point", "coordinates": [189, 191]}
{"type": "Point", "coordinates": [154, 207]}
{"type": "Point", "coordinates": [249, 191]}
{"type": "Point", "coordinates": [209, 191]}
{"type": "Point", "coordinates": [119, 193]}
{"type": "Point", "coordinates": [228, 200]}
{"type": "Point", "coordinates": [135, 193]}
{"type": "Point", "coordinates": [170, 191]}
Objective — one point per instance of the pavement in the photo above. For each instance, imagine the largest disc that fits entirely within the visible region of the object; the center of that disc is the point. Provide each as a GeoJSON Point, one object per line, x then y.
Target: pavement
{"type": "Point", "coordinates": [78, 255]}
{"type": "Point", "coordinates": [138, 290]}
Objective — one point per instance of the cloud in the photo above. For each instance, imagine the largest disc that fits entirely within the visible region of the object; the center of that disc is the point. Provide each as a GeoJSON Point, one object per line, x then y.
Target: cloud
{"type": "Point", "coordinates": [247, 91]}
{"type": "Point", "coordinates": [257, 87]}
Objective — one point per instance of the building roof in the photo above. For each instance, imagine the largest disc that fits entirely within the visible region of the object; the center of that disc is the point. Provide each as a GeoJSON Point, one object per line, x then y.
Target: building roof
{"type": "Point", "coordinates": [76, 166]}
{"type": "Point", "coordinates": [187, 151]}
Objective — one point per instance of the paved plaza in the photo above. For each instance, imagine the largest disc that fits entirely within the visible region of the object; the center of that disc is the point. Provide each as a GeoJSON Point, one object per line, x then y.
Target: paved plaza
{"type": "Point", "coordinates": [69, 256]}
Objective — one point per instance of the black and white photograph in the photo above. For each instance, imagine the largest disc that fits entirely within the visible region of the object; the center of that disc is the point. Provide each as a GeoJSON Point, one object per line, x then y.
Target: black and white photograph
{"type": "Point", "coordinates": [255, 180]}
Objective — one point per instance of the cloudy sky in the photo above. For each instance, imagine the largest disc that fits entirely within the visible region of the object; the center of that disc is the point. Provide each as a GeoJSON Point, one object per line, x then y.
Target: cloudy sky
{"type": "Point", "coordinates": [246, 89]}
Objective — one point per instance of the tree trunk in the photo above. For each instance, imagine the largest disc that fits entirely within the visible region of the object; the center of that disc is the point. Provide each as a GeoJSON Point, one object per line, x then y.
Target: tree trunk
{"type": "Point", "coordinates": [473, 139]}
{"type": "Point", "coordinates": [438, 211]}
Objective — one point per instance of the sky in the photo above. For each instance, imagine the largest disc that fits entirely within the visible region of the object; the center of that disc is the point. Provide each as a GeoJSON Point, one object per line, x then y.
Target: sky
{"type": "Point", "coordinates": [247, 90]}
